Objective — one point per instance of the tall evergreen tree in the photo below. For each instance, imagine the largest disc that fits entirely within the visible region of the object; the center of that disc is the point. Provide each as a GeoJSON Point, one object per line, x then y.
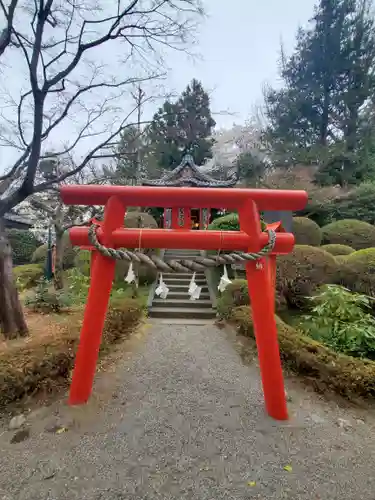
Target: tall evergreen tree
{"type": "Point", "coordinates": [181, 127]}
{"type": "Point", "coordinates": [316, 116]}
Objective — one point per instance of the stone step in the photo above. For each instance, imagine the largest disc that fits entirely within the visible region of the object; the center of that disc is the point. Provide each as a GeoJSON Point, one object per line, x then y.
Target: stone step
{"type": "Point", "coordinates": [183, 288]}
{"type": "Point", "coordinates": [182, 312]}
{"type": "Point", "coordinates": [184, 279]}
{"type": "Point", "coordinates": [193, 304]}
{"type": "Point", "coordinates": [183, 276]}
{"type": "Point", "coordinates": [184, 295]}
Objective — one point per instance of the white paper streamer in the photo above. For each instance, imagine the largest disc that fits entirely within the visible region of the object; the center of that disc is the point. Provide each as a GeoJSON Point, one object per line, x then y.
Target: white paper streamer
{"type": "Point", "coordinates": [131, 277]}
{"type": "Point", "coordinates": [194, 289]}
{"type": "Point", "coordinates": [224, 280]}
{"type": "Point", "coordinates": [162, 290]}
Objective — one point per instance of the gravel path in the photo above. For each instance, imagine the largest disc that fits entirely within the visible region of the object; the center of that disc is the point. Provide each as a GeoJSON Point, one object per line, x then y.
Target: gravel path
{"type": "Point", "coordinates": [182, 418]}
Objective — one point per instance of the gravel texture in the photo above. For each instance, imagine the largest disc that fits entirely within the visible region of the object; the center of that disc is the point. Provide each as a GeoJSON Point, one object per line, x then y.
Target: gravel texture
{"type": "Point", "coordinates": [182, 417]}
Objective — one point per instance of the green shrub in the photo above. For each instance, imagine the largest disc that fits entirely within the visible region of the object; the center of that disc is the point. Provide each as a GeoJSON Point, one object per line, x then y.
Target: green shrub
{"type": "Point", "coordinates": [45, 299]}
{"type": "Point", "coordinates": [336, 249]}
{"type": "Point", "coordinates": [357, 204]}
{"type": "Point", "coordinates": [358, 272]}
{"type": "Point", "coordinates": [78, 285]}
{"type": "Point", "coordinates": [326, 369]}
{"type": "Point", "coordinates": [82, 261]}
{"type": "Point", "coordinates": [351, 232]}
{"type": "Point", "coordinates": [341, 260]}
{"type": "Point", "coordinates": [69, 252]}
{"type": "Point", "coordinates": [306, 232]}
{"type": "Point", "coordinates": [23, 244]}
{"type": "Point", "coordinates": [229, 222]}
{"type": "Point", "coordinates": [302, 271]}
{"type": "Point", "coordinates": [341, 320]}
{"type": "Point", "coordinates": [28, 275]}
{"type": "Point", "coordinates": [236, 294]}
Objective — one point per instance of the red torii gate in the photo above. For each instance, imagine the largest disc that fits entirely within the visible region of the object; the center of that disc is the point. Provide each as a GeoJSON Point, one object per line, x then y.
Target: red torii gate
{"type": "Point", "coordinates": [250, 238]}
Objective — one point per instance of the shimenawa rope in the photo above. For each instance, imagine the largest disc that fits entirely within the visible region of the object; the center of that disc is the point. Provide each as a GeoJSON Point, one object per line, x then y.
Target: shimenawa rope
{"type": "Point", "coordinates": [183, 265]}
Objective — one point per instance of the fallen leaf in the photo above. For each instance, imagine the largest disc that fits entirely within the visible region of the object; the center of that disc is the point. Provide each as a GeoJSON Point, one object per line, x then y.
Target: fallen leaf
{"type": "Point", "coordinates": [61, 430]}
{"type": "Point", "coordinates": [288, 468]}
{"type": "Point", "coordinates": [251, 483]}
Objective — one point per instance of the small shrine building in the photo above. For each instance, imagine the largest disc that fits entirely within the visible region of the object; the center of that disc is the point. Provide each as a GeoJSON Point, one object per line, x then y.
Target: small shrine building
{"type": "Point", "coordinates": [186, 175]}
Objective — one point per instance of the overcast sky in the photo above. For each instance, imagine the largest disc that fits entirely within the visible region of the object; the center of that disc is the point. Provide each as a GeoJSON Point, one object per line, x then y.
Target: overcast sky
{"type": "Point", "coordinates": [239, 46]}
{"type": "Point", "coordinates": [240, 43]}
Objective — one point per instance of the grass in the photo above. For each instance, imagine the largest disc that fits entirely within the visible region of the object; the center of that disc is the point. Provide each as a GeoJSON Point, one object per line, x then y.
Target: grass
{"type": "Point", "coordinates": [42, 362]}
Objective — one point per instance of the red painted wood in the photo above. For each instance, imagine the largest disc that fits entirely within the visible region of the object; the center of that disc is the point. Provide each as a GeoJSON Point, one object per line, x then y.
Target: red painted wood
{"type": "Point", "coordinates": [266, 199]}
{"type": "Point", "coordinates": [260, 274]}
{"type": "Point", "coordinates": [265, 329]}
{"type": "Point", "coordinates": [102, 275]}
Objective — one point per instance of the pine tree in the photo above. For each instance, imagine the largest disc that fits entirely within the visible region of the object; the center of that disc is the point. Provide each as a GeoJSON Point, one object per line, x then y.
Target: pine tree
{"type": "Point", "coordinates": [182, 127]}
{"type": "Point", "coordinates": [316, 116]}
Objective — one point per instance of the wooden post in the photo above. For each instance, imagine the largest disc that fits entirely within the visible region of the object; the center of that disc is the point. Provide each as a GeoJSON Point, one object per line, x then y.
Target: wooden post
{"type": "Point", "coordinates": [102, 274]}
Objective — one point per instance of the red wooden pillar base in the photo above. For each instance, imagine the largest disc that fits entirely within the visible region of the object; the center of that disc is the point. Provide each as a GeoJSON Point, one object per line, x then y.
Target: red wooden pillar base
{"type": "Point", "coordinates": [262, 296]}
{"type": "Point", "coordinates": [102, 274]}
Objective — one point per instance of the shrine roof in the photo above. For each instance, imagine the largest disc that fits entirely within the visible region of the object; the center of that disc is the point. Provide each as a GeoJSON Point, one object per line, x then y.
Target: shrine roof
{"type": "Point", "coordinates": [189, 174]}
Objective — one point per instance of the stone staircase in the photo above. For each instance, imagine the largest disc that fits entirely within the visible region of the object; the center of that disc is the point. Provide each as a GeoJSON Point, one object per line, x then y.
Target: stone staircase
{"type": "Point", "coordinates": [178, 305]}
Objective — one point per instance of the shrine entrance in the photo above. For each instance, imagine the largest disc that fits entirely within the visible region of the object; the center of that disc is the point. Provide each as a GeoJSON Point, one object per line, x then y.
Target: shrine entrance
{"type": "Point", "coordinates": [195, 218]}
{"type": "Point", "coordinates": [188, 175]}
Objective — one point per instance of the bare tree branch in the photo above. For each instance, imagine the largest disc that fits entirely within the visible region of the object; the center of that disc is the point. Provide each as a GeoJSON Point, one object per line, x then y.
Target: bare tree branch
{"type": "Point", "coordinates": [6, 34]}
{"type": "Point", "coordinates": [70, 100]}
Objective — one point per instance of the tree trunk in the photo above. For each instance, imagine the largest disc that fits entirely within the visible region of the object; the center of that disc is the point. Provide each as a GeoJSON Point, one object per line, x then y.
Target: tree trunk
{"type": "Point", "coordinates": [12, 320]}
{"type": "Point", "coordinates": [58, 279]}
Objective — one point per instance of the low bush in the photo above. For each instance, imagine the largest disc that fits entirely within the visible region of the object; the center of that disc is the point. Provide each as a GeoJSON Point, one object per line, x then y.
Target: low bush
{"type": "Point", "coordinates": [302, 271]}
{"type": "Point", "coordinates": [350, 232]}
{"type": "Point", "coordinates": [306, 232]}
{"type": "Point", "coordinates": [45, 361]}
{"type": "Point", "coordinates": [23, 244]}
{"type": "Point", "coordinates": [336, 249]}
{"type": "Point", "coordinates": [229, 222]}
{"type": "Point", "coordinates": [358, 203]}
{"type": "Point", "coordinates": [358, 271]}
{"type": "Point", "coordinates": [236, 294]}
{"type": "Point", "coordinates": [341, 320]}
{"type": "Point", "coordinates": [45, 299]}
{"type": "Point", "coordinates": [323, 367]}
{"type": "Point", "coordinates": [28, 275]}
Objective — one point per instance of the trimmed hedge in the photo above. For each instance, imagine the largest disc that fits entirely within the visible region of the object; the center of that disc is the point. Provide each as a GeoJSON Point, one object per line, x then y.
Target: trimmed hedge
{"type": "Point", "coordinates": [302, 271]}
{"type": "Point", "coordinates": [45, 361]}
{"type": "Point", "coordinates": [351, 232]}
{"type": "Point", "coordinates": [350, 377]}
{"type": "Point", "coordinates": [236, 294]}
{"type": "Point", "coordinates": [358, 271]}
{"type": "Point", "coordinates": [23, 243]}
{"type": "Point", "coordinates": [229, 222]}
{"type": "Point", "coordinates": [336, 249]}
{"type": "Point", "coordinates": [27, 276]}
{"type": "Point", "coordinates": [306, 232]}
